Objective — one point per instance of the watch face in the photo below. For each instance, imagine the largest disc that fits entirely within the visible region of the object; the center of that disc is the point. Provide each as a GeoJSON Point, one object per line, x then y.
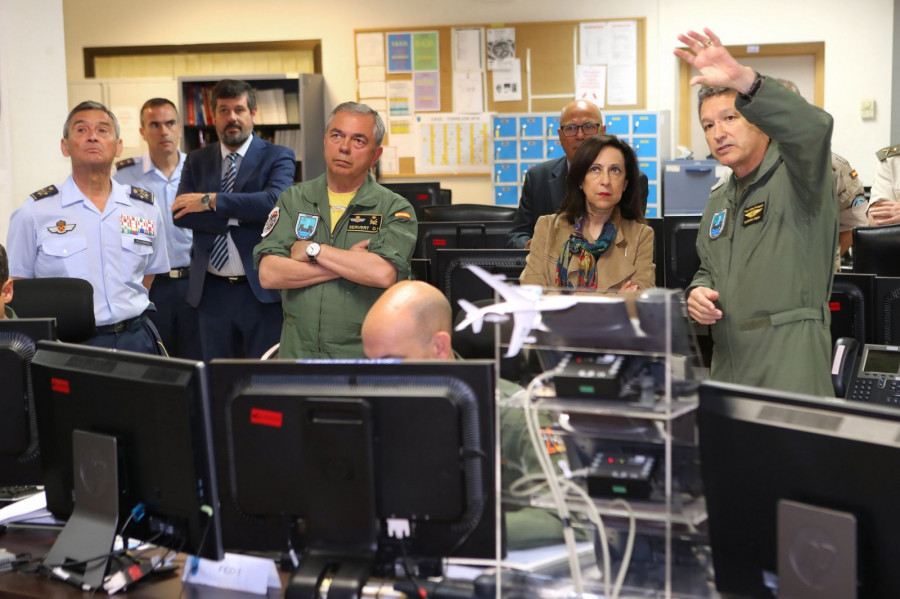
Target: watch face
{"type": "Point", "coordinates": [312, 250]}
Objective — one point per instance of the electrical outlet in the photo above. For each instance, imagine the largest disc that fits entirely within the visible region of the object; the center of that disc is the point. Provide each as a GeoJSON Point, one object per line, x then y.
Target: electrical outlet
{"type": "Point", "coordinates": [867, 108]}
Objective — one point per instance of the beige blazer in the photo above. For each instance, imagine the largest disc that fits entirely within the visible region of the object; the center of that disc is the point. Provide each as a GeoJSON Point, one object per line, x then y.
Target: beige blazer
{"type": "Point", "coordinates": [629, 258]}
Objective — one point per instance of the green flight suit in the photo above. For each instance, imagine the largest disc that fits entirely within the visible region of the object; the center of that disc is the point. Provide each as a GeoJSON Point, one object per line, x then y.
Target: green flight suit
{"type": "Point", "coordinates": [770, 253]}
{"type": "Point", "coordinates": [324, 320]}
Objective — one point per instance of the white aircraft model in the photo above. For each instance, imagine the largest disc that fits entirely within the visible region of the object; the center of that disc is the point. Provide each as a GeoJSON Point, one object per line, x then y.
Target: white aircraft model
{"type": "Point", "coordinates": [524, 302]}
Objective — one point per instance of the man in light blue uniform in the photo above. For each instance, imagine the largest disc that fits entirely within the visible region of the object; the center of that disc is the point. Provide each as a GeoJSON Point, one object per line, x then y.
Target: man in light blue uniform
{"type": "Point", "coordinates": [93, 228]}
{"type": "Point", "coordinates": [159, 171]}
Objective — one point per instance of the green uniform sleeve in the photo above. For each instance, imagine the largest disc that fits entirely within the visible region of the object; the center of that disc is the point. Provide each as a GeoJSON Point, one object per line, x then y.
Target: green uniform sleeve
{"type": "Point", "coordinates": [396, 240]}
{"type": "Point", "coordinates": [279, 240]}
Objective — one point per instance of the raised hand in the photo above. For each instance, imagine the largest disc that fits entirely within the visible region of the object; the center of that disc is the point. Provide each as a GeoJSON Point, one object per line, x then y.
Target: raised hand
{"type": "Point", "coordinates": [717, 66]}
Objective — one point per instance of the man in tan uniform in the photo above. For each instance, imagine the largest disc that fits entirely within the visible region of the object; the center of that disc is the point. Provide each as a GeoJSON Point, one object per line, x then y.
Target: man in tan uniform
{"type": "Point", "coordinates": [884, 205]}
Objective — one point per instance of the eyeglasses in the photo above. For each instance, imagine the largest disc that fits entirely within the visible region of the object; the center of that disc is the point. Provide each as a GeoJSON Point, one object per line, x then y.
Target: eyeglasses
{"type": "Point", "coordinates": [571, 130]}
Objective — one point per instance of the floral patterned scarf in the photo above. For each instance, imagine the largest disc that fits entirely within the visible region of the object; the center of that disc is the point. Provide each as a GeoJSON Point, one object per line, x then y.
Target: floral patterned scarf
{"type": "Point", "coordinates": [584, 255]}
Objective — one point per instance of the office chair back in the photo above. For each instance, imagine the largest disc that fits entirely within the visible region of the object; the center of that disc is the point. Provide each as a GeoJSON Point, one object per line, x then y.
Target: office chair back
{"type": "Point", "coordinates": [70, 301]}
{"type": "Point", "coordinates": [468, 213]}
{"type": "Point", "coordinates": [876, 250]}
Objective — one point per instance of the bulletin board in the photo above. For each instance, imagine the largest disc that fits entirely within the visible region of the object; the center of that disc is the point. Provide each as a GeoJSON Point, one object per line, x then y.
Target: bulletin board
{"type": "Point", "coordinates": [551, 48]}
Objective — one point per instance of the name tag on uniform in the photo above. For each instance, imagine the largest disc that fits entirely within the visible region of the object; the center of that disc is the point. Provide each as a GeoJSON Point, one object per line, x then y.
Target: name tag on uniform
{"type": "Point", "coordinates": [754, 214]}
{"type": "Point", "coordinates": [365, 223]}
{"type": "Point", "coordinates": [140, 241]}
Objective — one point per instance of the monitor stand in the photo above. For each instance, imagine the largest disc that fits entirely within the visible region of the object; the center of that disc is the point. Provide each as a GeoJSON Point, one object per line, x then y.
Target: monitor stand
{"type": "Point", "coordinates": [82, 554]}
{"type": "Point", "coordinates": [816, 552]}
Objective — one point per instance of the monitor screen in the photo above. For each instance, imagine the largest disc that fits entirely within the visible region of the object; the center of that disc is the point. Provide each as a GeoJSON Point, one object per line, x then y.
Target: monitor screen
{"type": "Point", "coordinates": [763, 450]}
{"type": "Point", "coordinates": [370, 446]}
{"type": "Point", "coordinates": [458, 282]}
{"type": "Point", "coordinates": [682, 261]}
{"type": "Point", "coordinates": [462, 235]}
{"type": "Point", "coordinates": [19, 453]}
{"type": "Point", "coordinates": [135, 427]}
{"type": "Point", "coordinates": [419, 194]}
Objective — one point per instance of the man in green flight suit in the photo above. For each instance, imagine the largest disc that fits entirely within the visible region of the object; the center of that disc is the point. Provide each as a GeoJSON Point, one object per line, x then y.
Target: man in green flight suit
{"type": "Point", "coordinates": [768, 235]}
{"type": "Point", "coordinates": [334, 244]}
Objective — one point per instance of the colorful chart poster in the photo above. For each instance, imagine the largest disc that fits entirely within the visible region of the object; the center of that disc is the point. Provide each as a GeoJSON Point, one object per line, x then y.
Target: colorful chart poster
{"type": "Point", "coordinates": [399, 51]}
{"type": "Point", "coordinates": [425, 51]}
{"type": "Point", "coordinates": [428, 90]}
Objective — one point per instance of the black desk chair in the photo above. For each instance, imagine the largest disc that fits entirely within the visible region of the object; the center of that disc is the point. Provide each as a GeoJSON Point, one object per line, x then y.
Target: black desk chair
{"type": "Point", "coordinates": [70, 301]}
{"type": "Point", "coordinates": [467, 212]}
{"type": "Point", "coordinates": [876, 250]}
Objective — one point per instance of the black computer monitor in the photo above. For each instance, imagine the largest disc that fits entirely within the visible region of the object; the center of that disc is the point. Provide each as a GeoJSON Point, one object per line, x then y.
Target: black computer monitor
{"type": "Point", "coordinates": [875, 250]}
{"type": "Point", "coordinates": [460, 235]}
{"type": "Point", "coordinates": [682, 261]}
{"type": "Point", "coordinates": [348, 451]}
{"type": "Point", "coordinates": [457, 282]}
{"type": "Point", "coordinates": [886, 311]}
{"type": "Point", "coordinates": [851, 307]}
{"type": "Point", "coordinates": [419, 194]}
{"type": "Point", "coordinates": [822, 463]}
{"type": "Point", "coordinates": [135, 429]}
{"type": "Point", "coordinates": [19, 452]}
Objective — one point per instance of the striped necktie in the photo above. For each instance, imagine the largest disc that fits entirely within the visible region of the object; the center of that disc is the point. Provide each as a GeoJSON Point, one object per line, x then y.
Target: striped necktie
{"type": "Point", "coordinates": [219, 255]}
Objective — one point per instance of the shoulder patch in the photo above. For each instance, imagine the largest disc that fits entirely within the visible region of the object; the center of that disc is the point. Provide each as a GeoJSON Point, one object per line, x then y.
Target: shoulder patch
{"type": "Point", "coordinates": [403, 215]}
{"type": "Point", "coordinates": [48, 191]}
{"type": "Point", "coordinates": [885, 153]}
{"type": "Point", "coordinates": [143, 195]}
{"type": "Point", "coordinates": [124, 163]}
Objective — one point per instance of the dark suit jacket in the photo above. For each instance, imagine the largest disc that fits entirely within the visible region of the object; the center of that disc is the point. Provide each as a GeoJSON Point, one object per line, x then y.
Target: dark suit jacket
{"type": "Point", "coordinates": [265, 172]}
{"type": "Point", "coordinates": [542, 193]}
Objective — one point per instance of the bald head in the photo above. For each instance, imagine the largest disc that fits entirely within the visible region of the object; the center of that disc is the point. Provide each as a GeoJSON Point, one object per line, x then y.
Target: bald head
{"type": "Point", "coordinates": [411, 321]}
{"type": "Point", "coordinates": [578, 112]}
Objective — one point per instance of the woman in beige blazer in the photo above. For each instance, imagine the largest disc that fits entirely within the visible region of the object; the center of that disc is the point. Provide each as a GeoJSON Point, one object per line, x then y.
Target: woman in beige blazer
{"type": "Point", "coordinates": [598, 240]}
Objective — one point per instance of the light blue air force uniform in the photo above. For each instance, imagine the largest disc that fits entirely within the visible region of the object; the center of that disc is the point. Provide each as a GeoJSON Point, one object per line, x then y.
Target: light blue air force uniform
{"type": "Point", "coordinates": [141, 172]}
{"type": "Point", "coordinates": [58, 232]}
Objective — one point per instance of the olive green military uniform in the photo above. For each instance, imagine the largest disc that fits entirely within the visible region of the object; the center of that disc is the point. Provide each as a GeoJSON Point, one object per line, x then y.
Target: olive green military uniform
{"type": "Point", "coordinates": [9, 312]}
{"type": "Point", "coordinates": [770, 252]}
{"type": "Point", "coordinates": [324, 320]}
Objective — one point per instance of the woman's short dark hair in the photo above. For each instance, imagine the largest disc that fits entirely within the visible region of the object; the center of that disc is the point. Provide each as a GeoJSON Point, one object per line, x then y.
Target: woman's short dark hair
{"type": "Point", "coordinates": [573, 205]}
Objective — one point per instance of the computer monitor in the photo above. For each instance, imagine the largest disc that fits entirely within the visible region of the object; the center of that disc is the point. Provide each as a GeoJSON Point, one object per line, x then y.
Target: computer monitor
{"type": "Point", "coordinates": [419, 194]}
{"type": "Point", "coordinates": [875, 250]}
{"type": "Point", "coordinates": [886, 311]}
{"type": "Point", "coordinates": [460, 235]}
{"type": "Point", "coordinates": [19, 453]}
{"type": "Point", "coordinates": [763, 452]}
{"type": "Point", "coordinates": [851, 306]}
{"type": "Point", "coordinates": [457, 282]}
{"type": "Point", "coordinates": [681, 257]}
{"type": "Point", "coordinates": [135, 429]}
{"type": "Point", "coordinates": [348, 452]}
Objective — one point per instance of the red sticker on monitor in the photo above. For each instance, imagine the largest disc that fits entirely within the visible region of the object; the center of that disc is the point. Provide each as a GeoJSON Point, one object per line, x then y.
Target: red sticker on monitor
{"type": "Point", "coordinates": [59, 385]}
{"type": "Point", "coordinates": [834, 306]}
{"type": "Point", "coordinates": [441, 242]}
{"type": "Point", "coordinates": [266, 417]}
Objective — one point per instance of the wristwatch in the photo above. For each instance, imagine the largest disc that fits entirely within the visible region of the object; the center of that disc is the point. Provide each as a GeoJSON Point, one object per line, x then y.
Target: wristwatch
{"type": "Point", "coordinates": [312, 251]}
{"type": "Point", "coordinates": [205, 200]}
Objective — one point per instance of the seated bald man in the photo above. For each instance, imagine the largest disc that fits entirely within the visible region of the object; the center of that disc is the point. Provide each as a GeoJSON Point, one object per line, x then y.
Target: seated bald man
{"type": "Point", "coordinates": [412, 320]}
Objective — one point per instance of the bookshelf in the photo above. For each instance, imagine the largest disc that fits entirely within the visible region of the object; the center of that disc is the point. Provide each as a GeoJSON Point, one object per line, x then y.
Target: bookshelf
{"type": "Point", "coordinates": [290, 112]}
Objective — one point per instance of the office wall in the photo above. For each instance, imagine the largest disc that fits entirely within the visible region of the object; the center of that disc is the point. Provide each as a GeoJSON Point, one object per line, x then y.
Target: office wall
{"type": "Point", "coordinates": [858, 65]}
{"type": "Point", "coordinates": [32, 100]}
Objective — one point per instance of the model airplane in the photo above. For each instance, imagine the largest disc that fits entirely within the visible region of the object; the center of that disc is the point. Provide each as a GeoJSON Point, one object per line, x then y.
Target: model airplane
{"type": "Point", "coordinates": [524, 302]}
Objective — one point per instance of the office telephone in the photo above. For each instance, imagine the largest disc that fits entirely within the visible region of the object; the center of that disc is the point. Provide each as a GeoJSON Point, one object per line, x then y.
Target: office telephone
{"type": "Point", "coordinates": [872, 375]}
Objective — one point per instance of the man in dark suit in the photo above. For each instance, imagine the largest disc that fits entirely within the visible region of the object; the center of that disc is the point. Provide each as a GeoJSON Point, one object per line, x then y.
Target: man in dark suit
{"type": "Point", "coordinates": [226, 192]}
{"type": "Point", "coordinates": [545, 184]}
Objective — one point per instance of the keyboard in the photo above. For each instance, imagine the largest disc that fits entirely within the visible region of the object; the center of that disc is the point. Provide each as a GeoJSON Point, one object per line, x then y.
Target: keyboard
{"type": "Point", "coordinates": [16, 492]}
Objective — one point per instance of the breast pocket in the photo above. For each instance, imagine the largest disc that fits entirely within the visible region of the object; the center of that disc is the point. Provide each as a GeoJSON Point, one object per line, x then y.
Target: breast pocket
{"type": "Point", "coordinates": [63, 256]}
{"type": "Point", "coordinates": [136, 253]}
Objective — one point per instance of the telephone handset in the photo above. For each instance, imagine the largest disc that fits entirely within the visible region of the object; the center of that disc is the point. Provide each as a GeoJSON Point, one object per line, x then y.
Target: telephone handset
{"type": "Point", "coordinates": [873, 377]}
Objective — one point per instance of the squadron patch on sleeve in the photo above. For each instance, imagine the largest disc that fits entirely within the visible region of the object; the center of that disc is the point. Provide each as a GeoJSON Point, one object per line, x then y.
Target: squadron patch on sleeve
{"type": "Point", "coordinates": [717, 226]}
{"type": "Point", "coordinates": [306, 226]}
{"type": "Point", "coordinates": [143, 195]}
{"type": "Point", "coordinates": [365, 223]}
{"type": "Point", "coordinates": [48, 191]}
{"type": "Point", "coordinates": [271, 221]}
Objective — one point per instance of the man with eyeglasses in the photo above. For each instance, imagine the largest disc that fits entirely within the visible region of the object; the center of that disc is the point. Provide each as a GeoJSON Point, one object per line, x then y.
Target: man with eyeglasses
{"type": "Point", "coordinates": [334, 244]}
{"type": "Point", "coordinates": [545, 184]}
{"type": "Point", "coordinates": [159, 171]}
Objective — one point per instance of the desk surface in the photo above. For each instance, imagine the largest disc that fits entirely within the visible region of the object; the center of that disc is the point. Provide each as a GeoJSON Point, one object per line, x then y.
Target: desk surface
{"type": "Point", "coordinates": [39, 542]}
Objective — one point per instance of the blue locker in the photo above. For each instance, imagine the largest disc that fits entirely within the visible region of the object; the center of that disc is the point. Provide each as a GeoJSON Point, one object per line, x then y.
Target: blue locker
{"type": "Point", "coordinates": [505, 150]}
{"type": "Point", "coordinates": [506, 195]}
{"type": "Point", "coordinates": [505, 172]}
{"type": "Point", "coordinates": [643, 124]}
{"type": "Point", "coordinates": [532, 149]}
{"type": "Point", "coordinates": [531, 126]}
{"type": "Point", "coordinates": [504, 126]}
